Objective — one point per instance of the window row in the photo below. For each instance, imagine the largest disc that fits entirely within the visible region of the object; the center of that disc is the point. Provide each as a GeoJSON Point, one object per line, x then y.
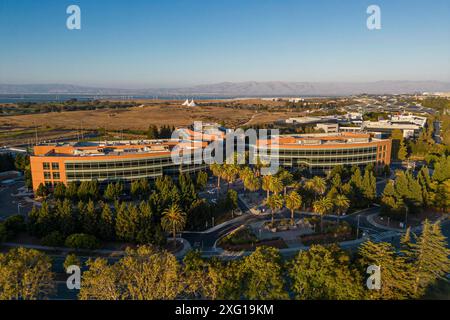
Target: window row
{"type": "Point", "coordinates": [117, 164]}
{"type": "Point", "coordinates": [328, 160]}
{"type": "Point", "coordinates": [49, 175]}
{"type": "Point", "coordinates": [54, 165]}
{"type": "Point", "coordinates": [326, 152]}
{"type": "Point", "coordinates": [112, 175]}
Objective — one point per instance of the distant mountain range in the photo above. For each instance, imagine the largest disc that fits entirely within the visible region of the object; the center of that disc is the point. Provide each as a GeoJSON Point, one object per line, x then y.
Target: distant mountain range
{"type": "Point", "coordinates": [244, 89]}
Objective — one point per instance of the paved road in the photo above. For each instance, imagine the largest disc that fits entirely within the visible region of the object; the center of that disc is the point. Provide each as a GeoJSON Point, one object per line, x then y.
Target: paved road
{"type": "Point", "coordinates": [8, 203]}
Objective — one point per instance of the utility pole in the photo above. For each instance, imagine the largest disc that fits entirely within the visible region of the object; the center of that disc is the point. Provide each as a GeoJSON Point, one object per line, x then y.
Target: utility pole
{"type": "Point", "coordinates": [36, 133]}
{"type": "Point", "coordinates": [406, 217]}
{"type": "Point", "coordinates": [357, 228]}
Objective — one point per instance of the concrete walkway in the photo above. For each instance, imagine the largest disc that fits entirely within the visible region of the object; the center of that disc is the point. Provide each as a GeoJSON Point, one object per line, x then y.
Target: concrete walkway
{"type": "Point", "coordinates": [370, 219]}
{"type": "Point", "coordinates": [64, 250]}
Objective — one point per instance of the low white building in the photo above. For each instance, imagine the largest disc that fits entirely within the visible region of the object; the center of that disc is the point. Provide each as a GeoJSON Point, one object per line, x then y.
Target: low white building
{"type": "Point", "coordinates": [328, 127]}
{"type": "Point", "coordinates": [188, 103]}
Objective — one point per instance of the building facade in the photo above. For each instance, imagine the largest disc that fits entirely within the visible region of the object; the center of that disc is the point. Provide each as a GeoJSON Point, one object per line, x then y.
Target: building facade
{"type": "Point", "coordinates": [104, 162]}
{"type": "Point", "coordinates": [320, 153]}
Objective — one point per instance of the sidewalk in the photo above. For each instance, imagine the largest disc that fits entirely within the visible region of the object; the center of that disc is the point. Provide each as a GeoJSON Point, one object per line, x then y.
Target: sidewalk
{"type": "Point", "coordinates": [179, 254]}
{"type": "Point", "coordinates": [380, 226]}
{"type": "Point", "coordinates": [229, 255]}
{"type": "Point", "coordinates": [222, 225]}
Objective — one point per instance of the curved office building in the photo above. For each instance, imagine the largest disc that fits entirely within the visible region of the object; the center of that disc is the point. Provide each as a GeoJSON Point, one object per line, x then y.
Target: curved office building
{"type": "Point", "coordinates": [106, 161]}
{"type": "Point", "coordinates": [321, 152]}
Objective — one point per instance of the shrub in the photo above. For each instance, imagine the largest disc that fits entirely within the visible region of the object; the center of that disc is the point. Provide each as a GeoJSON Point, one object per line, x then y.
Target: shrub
{"type": "Point", "coordinates": [71, 259]}
{"type": "Point", "coordinates": [82, 241]}
{"type": "Point", "coordinates": [3, 232]}
{"type": "Point", "coordinates": [53, 239]}
{"type": "Point", "coordinates": [242, 235]}
{"type": "Point", "coordinates": [15, 224]}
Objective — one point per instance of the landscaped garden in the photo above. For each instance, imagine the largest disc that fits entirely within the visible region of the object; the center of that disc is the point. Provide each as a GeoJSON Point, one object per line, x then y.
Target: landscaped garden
{"type": "Point", "coordinates": [244, 239]}
{"type": "Point", "coordinates": [328, 232]}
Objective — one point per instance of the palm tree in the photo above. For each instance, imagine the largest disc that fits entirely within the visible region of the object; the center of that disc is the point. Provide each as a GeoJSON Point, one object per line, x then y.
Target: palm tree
{"type": "Point", "coordinates": [245, 175]}
{"type": "Point", "coordinates": [266, 185]}
{"type": "Point", "coordinates": [275, 202]}
{"type": "Point", "coordinates": [253, 183]}
{"type": "Point", "coordinates": [319, 185]}
{"type": "Point", "coordinates": [293, 202]}
{"type": "Point", "coordinates": [276, 185]}
{"type": "Point", "coordinates": [217, 170]}
{"type": "Point", "coordinates": [230, 173]}
{"type": "Point", "coordinates": [342, 204]}
{"type": "Point", "coordinates": [286, 179]}
{"type": "Point", "coordinates": [173, 219]}
{"type": "Point", "coordinates": [323, 206]}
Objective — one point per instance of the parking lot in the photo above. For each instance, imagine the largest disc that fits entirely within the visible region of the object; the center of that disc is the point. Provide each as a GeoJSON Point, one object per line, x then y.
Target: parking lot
{"type": "Point", "coordinates": [10, 204]}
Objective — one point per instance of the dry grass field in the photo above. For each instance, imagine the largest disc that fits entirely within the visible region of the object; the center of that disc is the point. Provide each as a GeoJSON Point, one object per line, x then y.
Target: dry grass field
{"type": "Point", "coordinates": [139, 118]}
{"type": "Point", "coordinates": [21, 128]}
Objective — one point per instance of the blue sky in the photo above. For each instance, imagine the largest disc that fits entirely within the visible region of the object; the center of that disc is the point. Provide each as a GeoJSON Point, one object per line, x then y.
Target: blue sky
{"type": "Point", "coordinates": [158, 43]}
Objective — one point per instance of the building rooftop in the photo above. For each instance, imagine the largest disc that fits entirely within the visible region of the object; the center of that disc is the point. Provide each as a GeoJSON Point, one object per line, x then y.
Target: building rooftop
{"type": "Point", "coordinates": [320, 139]}
{"type": "Point", "coordinates": [114, 148]}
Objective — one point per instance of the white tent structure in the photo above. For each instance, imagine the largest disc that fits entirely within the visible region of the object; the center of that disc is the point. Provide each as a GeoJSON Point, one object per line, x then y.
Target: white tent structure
{"type": "Point", "coordinates": [186, 103]}
{"type": "Point", "coordinates": [192, 103]}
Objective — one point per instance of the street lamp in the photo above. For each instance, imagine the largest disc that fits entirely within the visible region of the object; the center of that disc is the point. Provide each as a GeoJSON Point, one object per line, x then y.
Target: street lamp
{"type": "Point", "coordinates": [357, 228]}
{"type": "Point", "coordinates": [18, 208]}
{"type": "Point", "coordinates": [406, 216]}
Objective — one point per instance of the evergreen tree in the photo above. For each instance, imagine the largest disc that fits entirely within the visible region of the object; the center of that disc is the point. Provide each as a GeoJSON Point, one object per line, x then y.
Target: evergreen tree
{"type": "Point", "coordinates": [356, 182]}
{"type": "Point", "coordinates": [25, 274]}
{"type": "Point", "coordinates": [261, 275]}
{"type": "Point", "coordinates": [430, 258]}
{"type": "Point", "coordinates": [424, 180]}
{"type": "Point", "coordinates": [72, 190]}
{"type": "Point", "coordinates": [67, 220]}
{"type": "Point", "coordinates": [152, 132]}
{"type": "Point", "coordinates": [127, 222]}
{"type": "Point", "coordinates": [325, 272]}
{"type": "Point", "coordinates": [187, 190]}
{"type": "Point", "coordinates": [144, 186]}
{"type": "Point", "coordinates": [442, 169]}
{"type": "Point", "coordinates": [107, 223]}
{"type": "Point", "coordinates": [146, 230]}
{"type": "Point", "coordinates": [42, 191]}
{"type": "Point", "coordinates": [93, 190]}
{"type": "Point", "coordinates": [403, 151]}
{"type": "Point", "coordinates": [110, 192]}
{"type": "Point", "coordinates": [135, 189]}
{"type": "Point", "coordinates": [368, 186]}
{"type": "Point", "coordinates": [59, 192]}
{"type": "Point", "coordinates": [395, 274]}
{"type": "Point", "coordinates": [89, 219]}
{"type": "Point", "coordinates": [83, 191]}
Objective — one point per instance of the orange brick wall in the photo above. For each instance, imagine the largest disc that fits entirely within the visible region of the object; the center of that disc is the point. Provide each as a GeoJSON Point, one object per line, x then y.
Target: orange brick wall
{"type": "Point", "coordinates": [37, 170]}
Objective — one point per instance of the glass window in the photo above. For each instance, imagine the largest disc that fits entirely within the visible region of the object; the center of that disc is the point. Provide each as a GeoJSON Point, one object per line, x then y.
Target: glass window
{"type": "Point", "coordinates": [56, 176]}
{"type": "Point", "coordinates": [47, 175]}
{"type": "Point", "coordinates": [46, 165]}
{"type": "Point", "coordinates": [55, 166]}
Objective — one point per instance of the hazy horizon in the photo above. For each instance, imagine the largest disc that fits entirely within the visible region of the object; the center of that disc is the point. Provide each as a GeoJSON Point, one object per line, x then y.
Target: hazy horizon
{"type": "Point", "coordinates": [223, 82]}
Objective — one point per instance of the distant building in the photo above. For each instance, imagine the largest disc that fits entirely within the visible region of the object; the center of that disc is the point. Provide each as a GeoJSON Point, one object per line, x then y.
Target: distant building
{"type": "Point", "coordinates": [189, 103]}
{"type": "Point", "coordinates": [328, 127]}
{"type": "Point", "coordinates": [410, 125]}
